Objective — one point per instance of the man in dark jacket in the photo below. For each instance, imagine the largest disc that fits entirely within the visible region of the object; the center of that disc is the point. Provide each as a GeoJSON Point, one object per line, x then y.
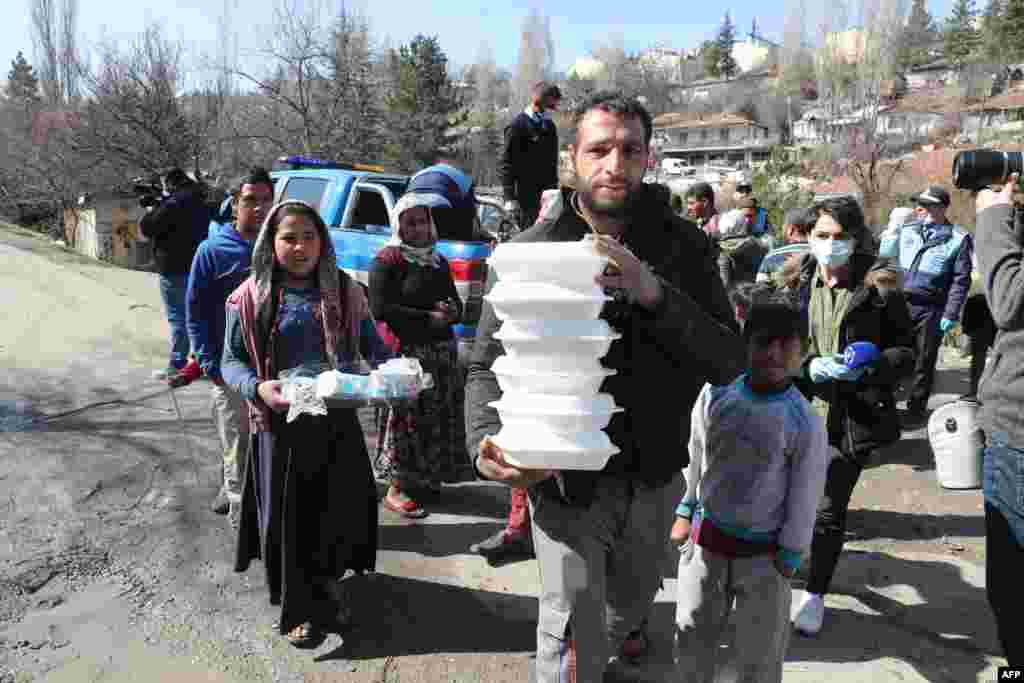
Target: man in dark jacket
{"type": "Point", "coordinates": [529, 162]}
{"type": "Point", "coordinates": [936, 260]}
{"type": "Point", "coordinates": [600, 537]}
{"type": "Point", "coordinates": [1000, 246]}
{"type": "Point", "coordinates": [176, 227]}
{"type": "Point", "coordinates": [221, 264]}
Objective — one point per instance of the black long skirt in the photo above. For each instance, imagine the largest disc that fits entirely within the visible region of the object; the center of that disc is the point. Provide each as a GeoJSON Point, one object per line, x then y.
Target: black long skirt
{"type": "Point", "coordinates": [309, 511]}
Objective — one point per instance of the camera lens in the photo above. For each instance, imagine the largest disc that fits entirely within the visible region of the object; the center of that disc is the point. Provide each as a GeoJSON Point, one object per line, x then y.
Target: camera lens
{"type": "Point", "coordinates": [979, 168]}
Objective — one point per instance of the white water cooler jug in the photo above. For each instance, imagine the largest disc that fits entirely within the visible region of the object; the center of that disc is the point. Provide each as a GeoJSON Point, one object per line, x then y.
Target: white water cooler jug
{"type": "Point", "coordinates": [958, 444]}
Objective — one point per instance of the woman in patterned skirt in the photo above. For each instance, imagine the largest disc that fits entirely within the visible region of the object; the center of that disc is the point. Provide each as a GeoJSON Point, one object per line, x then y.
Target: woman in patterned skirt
{"type": "Point", "coordinates": [412, 291]}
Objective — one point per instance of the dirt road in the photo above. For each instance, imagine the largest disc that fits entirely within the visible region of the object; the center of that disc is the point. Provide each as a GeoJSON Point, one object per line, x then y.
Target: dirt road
{"type": "Point", "coordinates": [112, 568]}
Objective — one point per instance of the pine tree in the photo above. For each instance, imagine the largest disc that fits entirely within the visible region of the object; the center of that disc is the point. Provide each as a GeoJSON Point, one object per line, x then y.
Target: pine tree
{"type": "Point", "coordinates": [961, 37]}
{"type": "Point", "coordinates": [1011, 31]}
{"type": "Point", "coordinates": [711, 55]}
{"type": "Point", "coordinates": [727, 66]}
{"type": "Point", "coordinates": [918, 37]}
{"type": "Point", "coordinates": [22, 84]}
{"type": "Point", "coordinates": [993, 47]}
{"type": "Point", "coordinates": [423, 102]}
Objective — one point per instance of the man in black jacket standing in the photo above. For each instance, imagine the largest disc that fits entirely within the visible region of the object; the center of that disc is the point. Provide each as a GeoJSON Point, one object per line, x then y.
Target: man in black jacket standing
{"type": "Point", "coordinates": [600, 537]}
{"type": "Point", "coordinates": [529, 162]}
{"type": "Point", "coordinates": [176, 226]}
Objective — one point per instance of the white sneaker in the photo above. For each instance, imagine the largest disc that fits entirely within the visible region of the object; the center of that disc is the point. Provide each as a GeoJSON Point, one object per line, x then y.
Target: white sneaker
{"type": "Point", "coordinates": [808, 613]}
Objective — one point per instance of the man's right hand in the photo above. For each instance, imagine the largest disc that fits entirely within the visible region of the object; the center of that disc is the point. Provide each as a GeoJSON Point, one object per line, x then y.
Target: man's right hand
{"type": "Point", "coordinates": [492, 465]}
{"type": "Point", "coordinates": [988, 198]}
{"type": "Point", "coordinates": [512, 206]}
{"type": "Point", "coordinates": [272, 393]}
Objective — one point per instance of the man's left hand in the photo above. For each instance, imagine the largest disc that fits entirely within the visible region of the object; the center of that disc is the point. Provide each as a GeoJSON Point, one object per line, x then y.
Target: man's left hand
{"type": "Point", "coordinates": [633, 276]}
{"type": "Point", "coordinates": [945, 325]}
{"type": "Point", "coordinates": [781, 568]}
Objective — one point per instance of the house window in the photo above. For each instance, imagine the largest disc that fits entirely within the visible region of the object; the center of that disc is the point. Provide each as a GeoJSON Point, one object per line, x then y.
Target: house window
{"type": "Point", "coordinates": [724, 135]}
{"type": "Point", "coordinates": [703, 135]}
{"type": "Point", "coordinates": [683, 137]}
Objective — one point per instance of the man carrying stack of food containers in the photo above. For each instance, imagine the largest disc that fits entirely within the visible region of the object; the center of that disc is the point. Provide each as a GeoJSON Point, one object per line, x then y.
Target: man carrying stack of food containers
{"type": "Point", "coordinates": [600, 535]}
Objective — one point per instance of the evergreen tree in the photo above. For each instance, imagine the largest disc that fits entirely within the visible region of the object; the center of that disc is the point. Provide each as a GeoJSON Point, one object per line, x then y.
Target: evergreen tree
{"type": "Point", "coordinates": [22, 84]}
{"type": "Point", "coordinates": [423, 104]}
{"type": "Point", "coordinates": [711, 55]}
{"type": "Point", "coordinates": [1011, 32]}
{"type": "Point", "coordinates": [727, 66]}
{"type": "Point", "coordinates": [961, 38]}
{"type": "Point", "coordinates": [919, 35]}
{"type": "Point", "coordinates": [993, 48]}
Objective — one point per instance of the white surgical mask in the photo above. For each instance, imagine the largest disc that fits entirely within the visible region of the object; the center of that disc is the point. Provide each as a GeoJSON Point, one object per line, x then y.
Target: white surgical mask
{"type": "Point", "coordinates": [832, 253]}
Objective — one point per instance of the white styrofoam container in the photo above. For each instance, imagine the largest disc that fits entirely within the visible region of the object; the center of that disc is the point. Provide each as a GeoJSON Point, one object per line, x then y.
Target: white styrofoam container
{"type": "Point", "coordinates": [565, 414]}
{"type": "Point", "coordinates": [574, 263]}
{"type": "Point", "coordinates": [536, 448]}
{"type": "Point", "coordinates": [557, 344]}
{"type": "Point", "coordinates": [515, 376]}
{"type": "Point", "coordinates": [543, 300]}
{"type": "Point", "coordinates": [958, 444]}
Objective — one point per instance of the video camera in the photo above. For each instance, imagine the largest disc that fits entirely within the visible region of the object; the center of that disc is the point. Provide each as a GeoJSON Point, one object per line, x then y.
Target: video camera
{"type": "Point", "coordinates": [150, 192]}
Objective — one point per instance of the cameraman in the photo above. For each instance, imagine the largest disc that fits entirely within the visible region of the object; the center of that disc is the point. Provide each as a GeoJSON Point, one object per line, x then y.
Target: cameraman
{"type": "Point", "coordinates": [176, 225]}
{"type": "Point", "coordinates": [1000, 240]}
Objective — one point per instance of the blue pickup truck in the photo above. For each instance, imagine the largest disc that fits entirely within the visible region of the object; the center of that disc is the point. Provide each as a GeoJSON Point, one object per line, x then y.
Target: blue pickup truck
{"type": "Point", "coordinates": [355, 201]}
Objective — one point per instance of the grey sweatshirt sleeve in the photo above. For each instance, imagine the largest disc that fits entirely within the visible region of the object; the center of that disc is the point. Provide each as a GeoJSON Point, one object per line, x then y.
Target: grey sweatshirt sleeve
{"type": "Point", "coordinates": [698, 434]}
{"type": "Point", "coordinates": [999, 259]}
{"type": "Point", "coordinates": [806, 483]}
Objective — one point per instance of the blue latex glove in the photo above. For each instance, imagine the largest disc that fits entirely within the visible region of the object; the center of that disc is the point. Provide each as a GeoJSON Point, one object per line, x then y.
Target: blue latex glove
{"type": "Point", "coordinates": [946, 325]}
{"type": "Point", "coordinates": [825, 369]}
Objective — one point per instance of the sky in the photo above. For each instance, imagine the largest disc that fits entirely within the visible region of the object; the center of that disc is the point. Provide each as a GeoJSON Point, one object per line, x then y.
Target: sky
{"type": "Point", "coordinates": [461, 26]}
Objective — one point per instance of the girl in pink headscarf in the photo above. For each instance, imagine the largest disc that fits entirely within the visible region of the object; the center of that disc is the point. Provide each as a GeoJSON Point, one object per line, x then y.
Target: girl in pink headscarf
{"type": "Point", "coordinates": [309, 502]}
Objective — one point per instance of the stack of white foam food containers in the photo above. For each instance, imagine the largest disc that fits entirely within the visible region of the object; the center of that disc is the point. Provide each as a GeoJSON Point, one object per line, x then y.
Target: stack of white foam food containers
{"type": "Point", "coordinates": [551, 411]}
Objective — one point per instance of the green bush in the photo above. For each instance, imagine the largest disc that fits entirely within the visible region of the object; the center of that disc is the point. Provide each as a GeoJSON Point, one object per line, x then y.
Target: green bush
{"type": "Point", "coordinates": [775, 192]}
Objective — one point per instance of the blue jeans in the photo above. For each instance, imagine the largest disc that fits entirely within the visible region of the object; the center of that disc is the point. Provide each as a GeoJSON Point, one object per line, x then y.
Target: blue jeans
{"type": "Point", "coordinates": [1003, 485]}
{"type": "Point", "coordinates": [172, 292]}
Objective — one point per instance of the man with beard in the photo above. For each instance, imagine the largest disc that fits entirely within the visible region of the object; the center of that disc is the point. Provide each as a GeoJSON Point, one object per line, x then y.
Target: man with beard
{"type": "Point", "coordinates": [600, 537]}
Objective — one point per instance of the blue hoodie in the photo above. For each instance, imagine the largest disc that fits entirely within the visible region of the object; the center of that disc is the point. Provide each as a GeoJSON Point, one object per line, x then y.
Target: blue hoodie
{"type": "Point", "coordinates": [221, 264]}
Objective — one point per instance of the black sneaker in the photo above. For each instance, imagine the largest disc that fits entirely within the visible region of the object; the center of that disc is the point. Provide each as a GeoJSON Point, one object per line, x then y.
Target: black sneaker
{"type": "Point", "coordinates": [502, 545]}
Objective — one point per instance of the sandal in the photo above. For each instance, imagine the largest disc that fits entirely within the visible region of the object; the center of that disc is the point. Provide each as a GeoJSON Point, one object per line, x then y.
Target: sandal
{"type": "Point", "coordinates": [409, 508]}
{"type": "Point", "coordinates": [303, 635]}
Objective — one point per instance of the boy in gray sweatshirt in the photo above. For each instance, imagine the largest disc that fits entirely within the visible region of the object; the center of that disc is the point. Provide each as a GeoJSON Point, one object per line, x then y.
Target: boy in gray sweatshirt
{"type": "Point", "coordinates": [758, 458]}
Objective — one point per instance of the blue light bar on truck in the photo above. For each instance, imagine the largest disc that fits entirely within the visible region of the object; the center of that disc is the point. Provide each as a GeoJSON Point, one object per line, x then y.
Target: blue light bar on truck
{"type": "Point", "coordinates": [296, 162]}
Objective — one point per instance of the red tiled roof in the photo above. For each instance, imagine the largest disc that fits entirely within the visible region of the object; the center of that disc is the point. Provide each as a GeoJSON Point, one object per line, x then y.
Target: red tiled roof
{"type": "Point", "coordinates": [696, 120]}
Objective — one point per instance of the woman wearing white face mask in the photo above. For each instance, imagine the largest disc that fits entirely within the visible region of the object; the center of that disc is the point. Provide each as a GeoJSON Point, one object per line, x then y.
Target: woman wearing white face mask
{"type": "Point", "coordinates": [841, 288]}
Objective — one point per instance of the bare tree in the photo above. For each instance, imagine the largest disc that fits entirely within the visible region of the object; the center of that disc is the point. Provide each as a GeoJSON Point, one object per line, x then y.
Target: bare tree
{"type": "Point", "coordinates": [55, 36]}
{"type": "Point", "coordinates": [536, 57]}
{"type": "Point", "coordinates": [133, 120]}
{"type": "Point", "coordinates": [320, 90]}
{"type": "Point", "coordinates": [69, 57]}
{"type": "Point", "coordinates": [47, 48]}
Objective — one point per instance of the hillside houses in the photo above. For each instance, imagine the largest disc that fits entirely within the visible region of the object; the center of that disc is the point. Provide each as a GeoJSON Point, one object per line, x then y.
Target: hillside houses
{"type": "Point", "coordinates": [699, 138]}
